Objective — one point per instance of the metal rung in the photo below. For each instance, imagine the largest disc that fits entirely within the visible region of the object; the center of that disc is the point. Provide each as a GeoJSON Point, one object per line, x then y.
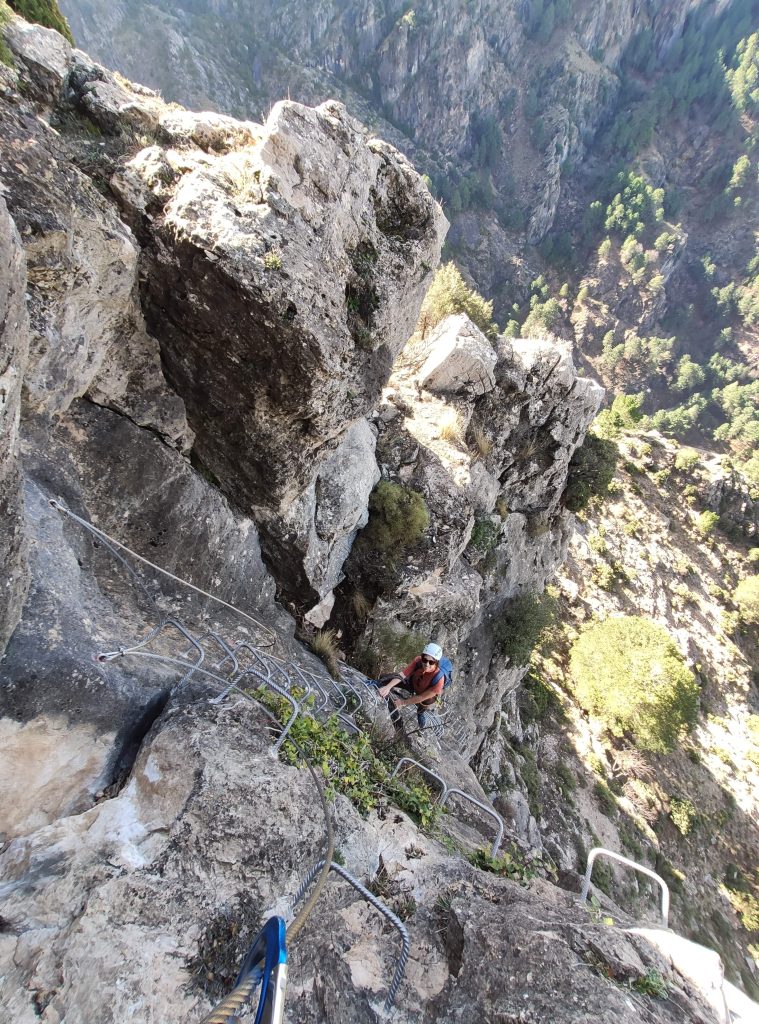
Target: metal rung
{"type": "Point", "coordinates": [600, 851]}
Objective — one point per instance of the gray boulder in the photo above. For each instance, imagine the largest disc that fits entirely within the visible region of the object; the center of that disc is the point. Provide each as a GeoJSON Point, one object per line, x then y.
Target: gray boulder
{"type": "Point", "coordinates": [461, 358]}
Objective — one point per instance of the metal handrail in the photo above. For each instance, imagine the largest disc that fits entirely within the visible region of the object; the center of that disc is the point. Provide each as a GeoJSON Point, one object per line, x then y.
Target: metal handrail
{"type": "Point", "coordinates": [452, 790]}
{"type": "Point", "coordinates": [426, 770]}
{"type": "Point", "coordinates": [283, 693]}
{"type": "Point", "coordinates": [599, 851]}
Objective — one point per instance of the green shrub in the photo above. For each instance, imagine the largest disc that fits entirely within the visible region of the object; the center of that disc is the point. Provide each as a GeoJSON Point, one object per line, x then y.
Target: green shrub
{"type": "Point", "coordinates": [746, 597]}
{"type": "Point", "coordinates": [397, 519]}
{"type": "Point", "coordinates": [591, 470]}
{"type": "Point", "coordinates": [509, 863]}
{"type": "Point", "coordinates": [651, 984]}
{"type": "Point", "coordinates": [6, 54]}
{"type": "Point", "coordinates": [624, 414]}
{"type": "Point", "coordinates": [538, 700]}
{"type": "Point", "coordinates": [524, 620]}
{"type": "Point", "coordinates": [349, 764]}
{"type": "Point", "coordinates": [707, 523]}
{"type": "Point", "coordinates": [686, 458]}
{"type": "Point", "coordinates": [43, 12]}
{"type": "Point", "coordinates": [485, 535]}
{"type": "Point", "coordinates": [629, 673]}
{"type": "Point", "coordinates": [683, 814]}
{"type": "Point", "coordinates": [606, 799]}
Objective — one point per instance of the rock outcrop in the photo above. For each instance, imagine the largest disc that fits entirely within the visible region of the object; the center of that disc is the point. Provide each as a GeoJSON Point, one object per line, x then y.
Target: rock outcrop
{"type": "Point", "coordinates": [145, 904]}
{"type": "Point", "coordinates": [14, 343]}
{"type": "Point", "coordinates": [508, 92]}
{"type": "Point", "coordinates": [491, 469]}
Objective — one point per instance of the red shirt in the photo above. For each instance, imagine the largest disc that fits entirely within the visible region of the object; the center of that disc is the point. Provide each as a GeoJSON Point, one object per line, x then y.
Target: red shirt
{"type": "Point", "coordinates": [420, 680]}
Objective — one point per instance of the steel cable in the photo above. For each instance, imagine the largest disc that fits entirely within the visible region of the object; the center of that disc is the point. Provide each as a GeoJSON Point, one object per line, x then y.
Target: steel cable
{"type": "Point", "coordinates": [108, 540]}
{"type": "Point", "coordinates": [243, 990]}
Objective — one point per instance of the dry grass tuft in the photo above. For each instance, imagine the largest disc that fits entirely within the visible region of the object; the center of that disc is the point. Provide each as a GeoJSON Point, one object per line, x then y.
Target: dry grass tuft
{"type": "Point", "coordinates": [360, 606]}
{"type": "Point", "coordinates": [449, 428]}
{"type": "Point", "coordinates": [324, 645]}
{"type": "Point", "coordinates": [482, 443]}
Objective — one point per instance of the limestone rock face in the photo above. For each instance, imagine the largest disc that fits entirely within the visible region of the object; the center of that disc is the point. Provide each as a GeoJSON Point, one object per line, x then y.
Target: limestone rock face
{"type": "Point", "coordinates": [87, 329]}
{"type": "Point", "coordinates": [69, 725]}
{"type": "Point", "coordinates": [304, 258]}
{"type": "Point", "coordinates": [14, 341]}
{"type": "Point", "coordinates": [144, 904]}
{"type": "Point", "coordinates": [493, 491]}
{"type": "Point", "coordinates": [461, 358]}
{"type": "Point", "coordinates": [303, 249]}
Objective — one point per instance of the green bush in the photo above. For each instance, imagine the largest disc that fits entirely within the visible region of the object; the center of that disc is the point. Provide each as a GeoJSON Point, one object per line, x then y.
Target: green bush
{"type": "Point", "coordinates": [397, 518]}
{"type": "Point", "coordinates": [683, 814]}
{"type": "Point", "coordinates": [485, 535]}
{"type": "Point", "coordinates": [606, 799]}
{"type": "Point", "coordinates": [6, 54]}
{"type": "Point", "coordinates": [349, 764]}
{"type": "Point", "coordinates": [746, 597]}
{"type": "Point", "coordinates": [450, 294]}
{"type": "Point", "coordinates": [624, 414]}
{"type": "Point", "coordinates": [686, 458]}
{"type": "Point", "coordinates": [707, 523]}
{"type": "Point", "coordinates": [43, 12]}
{"type": "Point", "coordinates": [591, 470]}
{"type": "Point", "coordinates": [509, 863]}
{"type": "Point", "coordinates": [538, 700]}
{"type": "Point", "coordinates": [629, 673]}
{"type": "Point", "coordinates": [524, 621]}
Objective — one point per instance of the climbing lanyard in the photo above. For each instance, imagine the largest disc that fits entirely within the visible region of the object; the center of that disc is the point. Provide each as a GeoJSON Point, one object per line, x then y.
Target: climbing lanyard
{"type": "Point", "coordinates": [266, 963]}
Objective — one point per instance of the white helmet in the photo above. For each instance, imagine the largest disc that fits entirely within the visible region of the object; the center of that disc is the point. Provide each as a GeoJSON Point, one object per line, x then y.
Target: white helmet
{"type": "Point", "coordinates": [433, 651]}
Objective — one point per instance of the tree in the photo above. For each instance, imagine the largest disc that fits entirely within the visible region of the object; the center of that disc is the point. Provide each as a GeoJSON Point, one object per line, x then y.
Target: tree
{"type": "Point", "coordinates": [744, 79]}
{"type": "Point", "coordinates": [747, 598]}
{"type": "Point", "coordinates": [591, 470]}
{"type": "Point", "coordinates": [450, 294]}
{"type": "Point", "coordinates": [689, 375]}
{"type": "Point", "coordinates": [629, 672]}
{"type": "Point", "coordinates": [624, 414]}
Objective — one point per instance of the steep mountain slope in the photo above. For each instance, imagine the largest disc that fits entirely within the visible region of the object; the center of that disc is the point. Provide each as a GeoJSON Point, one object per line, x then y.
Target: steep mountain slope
{"type": "Point", "coordinates": [653, 552]}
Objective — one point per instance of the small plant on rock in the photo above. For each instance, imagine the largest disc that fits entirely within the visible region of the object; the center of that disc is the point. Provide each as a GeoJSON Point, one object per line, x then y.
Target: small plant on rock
{"type": "Point", "coordinates": [482, 443]}
{"type": "Point", "coordinates": [683, 814]}
{"type": "Point", "coordinates": [272, 260]}
{"type": "Point", "coordinates": [651, 984]}
{"type": "Point", "coordinates": [449, 427]}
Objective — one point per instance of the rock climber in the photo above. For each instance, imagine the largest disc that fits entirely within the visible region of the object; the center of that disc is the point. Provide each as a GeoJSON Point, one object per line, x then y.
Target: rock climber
{"type": "Point", "coordinates": [420, 683]}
